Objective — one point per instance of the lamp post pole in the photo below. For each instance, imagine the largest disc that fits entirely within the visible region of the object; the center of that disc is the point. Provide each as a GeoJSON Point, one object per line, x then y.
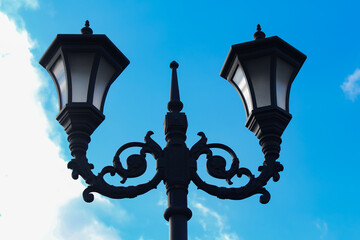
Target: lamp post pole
{"type": "Point", "coordinates": [176, 171]}
{"type": "Point", "coordinates": [83, 68]}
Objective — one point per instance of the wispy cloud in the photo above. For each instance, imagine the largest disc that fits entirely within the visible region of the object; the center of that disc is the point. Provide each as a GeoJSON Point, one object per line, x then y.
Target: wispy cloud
{"type": "Point", "coordinates": [93, 230]}
{"type": "Point", "coordinates": [322, 227]}
{"type": "Point", "coordinates": [142, 238]}
{"type": "Point", "coordinates": [14, 5]}
{"type": "Point", "coordinates": [162, 201]}
{"type": "Point", "coordinates": [213, 223]}
{"type": "Point", "coordinates": [351, 86]}
{"type": "Point", "coordinates": [78, 220]}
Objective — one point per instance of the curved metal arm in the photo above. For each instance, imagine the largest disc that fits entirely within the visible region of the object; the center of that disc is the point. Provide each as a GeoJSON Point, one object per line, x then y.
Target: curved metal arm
{"type": "Point", "coordinates": [136, 166]}
{"type": "Point", "coordinates": [216, 167]}
{"type": "Point", "coordinates": [117, 192]}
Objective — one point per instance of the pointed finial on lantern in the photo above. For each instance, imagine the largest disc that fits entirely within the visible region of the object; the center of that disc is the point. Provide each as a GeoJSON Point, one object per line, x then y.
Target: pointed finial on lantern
{"type": "Point", "coordinates": [259, 34]}
{"type": "Point", "coordinates": [86, 29]}
{"type": "Point", "coordinates": [174, 105]}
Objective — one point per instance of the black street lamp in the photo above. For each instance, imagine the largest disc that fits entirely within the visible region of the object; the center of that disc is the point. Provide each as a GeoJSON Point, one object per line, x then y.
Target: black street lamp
{"type": "Point", "coordinates": [83, 66]}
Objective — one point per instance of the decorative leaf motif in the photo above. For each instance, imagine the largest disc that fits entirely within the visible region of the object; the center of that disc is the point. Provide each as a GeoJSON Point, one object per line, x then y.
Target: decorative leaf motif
{"type": "Point", "coordinates": [200, 147]}
{"type": "Point", "coordinates": [215, 166]}
{"type": "Point", "coordinates": [81, 166]}
{"type": "Point", "coordinates": [136, 165]}
{"type": "Point", "coordinates": [151, 146]}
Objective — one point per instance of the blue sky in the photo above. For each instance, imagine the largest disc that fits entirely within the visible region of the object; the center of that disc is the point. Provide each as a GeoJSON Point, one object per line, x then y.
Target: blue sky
{"type": "Point", "coordinates": [317, 195]}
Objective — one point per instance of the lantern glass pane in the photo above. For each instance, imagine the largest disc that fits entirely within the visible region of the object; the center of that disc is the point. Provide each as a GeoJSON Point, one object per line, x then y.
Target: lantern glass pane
{"type": "Point", "coordinates": [259, 74]}
{"type": "Point", "coordinates": [58, 70]}
{"type": "Point", "coordinates": [103, 77]}
{"type": "Point", "coordinates": [80, 71]}
{"type": "Point", "coordinates": [283, 76]}
{"type": "Point", "coordinates": [242, 85]}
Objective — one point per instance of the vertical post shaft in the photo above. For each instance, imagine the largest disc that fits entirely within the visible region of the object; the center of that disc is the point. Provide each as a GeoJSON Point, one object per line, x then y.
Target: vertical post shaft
{"type": "Point", "coordinates": [176, 175]}
{"type": "Point", "coordinates": [176, 171]}
{"type": "Point", "coordinates": [177, 202]}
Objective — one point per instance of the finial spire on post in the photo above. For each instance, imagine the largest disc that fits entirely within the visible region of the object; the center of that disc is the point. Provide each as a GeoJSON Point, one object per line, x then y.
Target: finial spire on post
{"type": "Point", "coordinates": [259, 34]}
{"type": "Point", "coordinates": [86, 29]}
{"type": "Point", "coordinates": [174, 105]}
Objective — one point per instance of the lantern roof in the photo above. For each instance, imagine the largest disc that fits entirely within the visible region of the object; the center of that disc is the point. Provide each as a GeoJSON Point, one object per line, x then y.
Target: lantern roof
{"type": "Point", "coordinates": [85, 42]}
{"type": "Point", "coordinates": [259, 47]}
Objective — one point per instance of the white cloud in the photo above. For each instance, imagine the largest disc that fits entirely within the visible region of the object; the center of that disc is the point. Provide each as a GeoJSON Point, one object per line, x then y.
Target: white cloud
{"type": "Point", "coordinates": [34, 180]}
{"type": "Point", "coordinates": [213, 223]}
{"type": "Point", "coordinates": [79, 220]}
{"type": "Point", "coordinates": [162, 201]}
{"type": "Point", "coordinates": [322, 227]}
{"type": "Point", "coordinates": [351, 87]}
{"type": "Point", "coordinates": [14, 5]}
{"type": "Point", "coordinates": [93, 230]}
{"type": "Point", "coordinates": [35, 183]}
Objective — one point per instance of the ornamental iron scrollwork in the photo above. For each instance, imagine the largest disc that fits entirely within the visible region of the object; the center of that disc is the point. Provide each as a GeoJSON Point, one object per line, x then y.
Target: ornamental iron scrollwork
{"type": "Point", "coordinates": [136, 166]}
{"type": "Point", "coordinates": [216, 167]}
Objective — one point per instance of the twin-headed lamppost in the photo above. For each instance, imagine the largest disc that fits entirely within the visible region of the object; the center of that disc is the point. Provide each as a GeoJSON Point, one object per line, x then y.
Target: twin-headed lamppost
{"type": "Point", "coordinates": [83, 66]}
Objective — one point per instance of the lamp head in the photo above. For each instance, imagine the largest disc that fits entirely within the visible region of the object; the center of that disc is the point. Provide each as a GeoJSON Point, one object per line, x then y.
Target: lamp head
{"type": "Point", "coordinates": [262, 72]}
{"type": "Point", "coordinates": [83, 67]}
